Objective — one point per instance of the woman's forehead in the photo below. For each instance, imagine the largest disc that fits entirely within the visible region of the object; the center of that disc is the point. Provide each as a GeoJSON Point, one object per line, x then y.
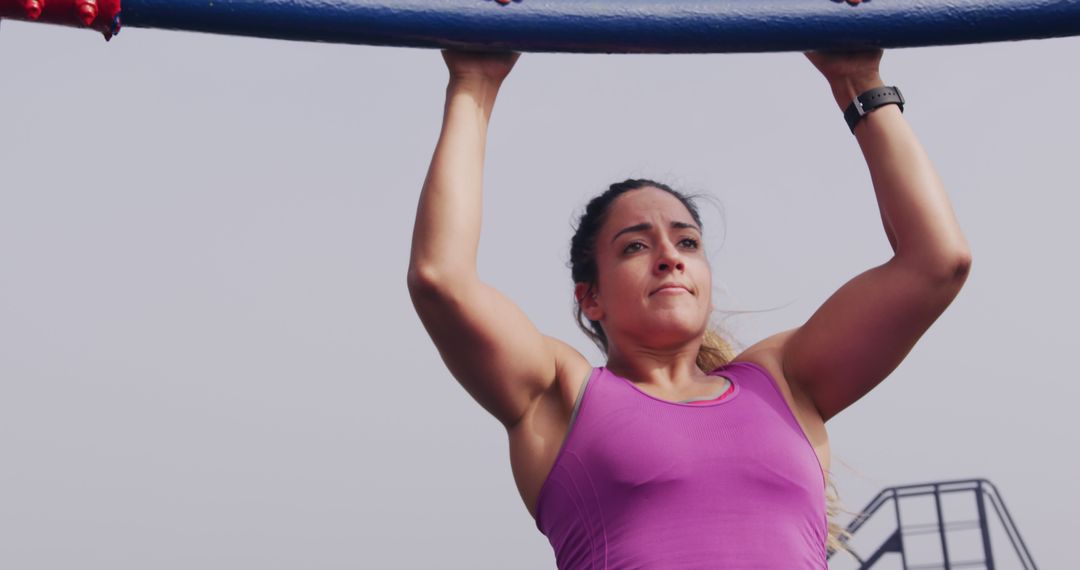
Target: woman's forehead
{"type": "Point", "coordinates": [646, 205]}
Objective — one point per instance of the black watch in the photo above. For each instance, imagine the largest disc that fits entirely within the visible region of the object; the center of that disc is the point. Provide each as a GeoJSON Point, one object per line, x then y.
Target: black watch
{"type": "Point", "coordinates": [872, 99]}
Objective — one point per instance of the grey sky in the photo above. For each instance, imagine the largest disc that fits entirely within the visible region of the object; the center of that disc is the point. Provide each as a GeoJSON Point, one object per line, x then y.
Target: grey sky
{"type": "Point", "coordinates": [208, 357]}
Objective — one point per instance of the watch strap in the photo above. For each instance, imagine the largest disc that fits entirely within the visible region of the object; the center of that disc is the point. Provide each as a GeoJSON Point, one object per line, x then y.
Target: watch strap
{"type": "Point", "coordinates": [872, 99]}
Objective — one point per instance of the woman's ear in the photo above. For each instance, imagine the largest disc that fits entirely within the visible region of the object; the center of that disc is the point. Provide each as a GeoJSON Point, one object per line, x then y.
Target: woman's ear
{"type": "Point", "coordinates": [586, 297]}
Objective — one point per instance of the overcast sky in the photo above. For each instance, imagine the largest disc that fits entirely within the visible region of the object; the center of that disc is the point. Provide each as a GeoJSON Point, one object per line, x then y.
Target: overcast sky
{"type": "Point", "coordinates": [209, 359]}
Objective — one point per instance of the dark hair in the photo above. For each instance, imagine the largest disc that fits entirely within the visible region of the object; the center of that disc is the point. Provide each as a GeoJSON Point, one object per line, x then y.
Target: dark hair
{"type": "Point", "coordinates": [715, 351]}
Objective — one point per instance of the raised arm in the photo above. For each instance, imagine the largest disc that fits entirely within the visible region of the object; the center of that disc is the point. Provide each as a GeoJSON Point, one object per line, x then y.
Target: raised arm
{"type": "Point", "coordinates": [486, 341]}
{"type": "Point", "coordinates": [867, 327]}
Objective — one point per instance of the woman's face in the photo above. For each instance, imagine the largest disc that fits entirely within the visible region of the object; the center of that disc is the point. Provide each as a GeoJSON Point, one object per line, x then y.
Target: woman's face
{"type": "Point", "coordinates": [648, 240]}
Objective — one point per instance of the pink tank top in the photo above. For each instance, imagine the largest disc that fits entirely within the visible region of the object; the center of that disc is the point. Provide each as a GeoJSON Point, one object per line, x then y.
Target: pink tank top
{"type": "Point", "coordinates": [728, 483]}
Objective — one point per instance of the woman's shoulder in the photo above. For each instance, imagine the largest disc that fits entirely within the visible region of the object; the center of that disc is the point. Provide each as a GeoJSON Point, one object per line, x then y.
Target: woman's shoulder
{"type": "Point", "coordinates": [767, 353]}
{"type": "Point", "coordinates": [568, 360]}
{"type": "Point", "coordinates": [572, 368]}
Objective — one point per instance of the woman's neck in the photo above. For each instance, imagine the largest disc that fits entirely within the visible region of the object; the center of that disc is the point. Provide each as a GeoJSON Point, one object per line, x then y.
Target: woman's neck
{"type": "Point", "coordinates": [667, 370]}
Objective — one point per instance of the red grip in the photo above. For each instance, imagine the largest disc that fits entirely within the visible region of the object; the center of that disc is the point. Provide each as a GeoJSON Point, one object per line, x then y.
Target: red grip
{"type": "Point", "coordinates": [101, 15]}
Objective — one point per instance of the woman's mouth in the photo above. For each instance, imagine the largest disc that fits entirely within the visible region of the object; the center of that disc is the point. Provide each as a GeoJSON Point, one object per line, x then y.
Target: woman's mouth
{"type": "Point", "coordinates": [670, 289]}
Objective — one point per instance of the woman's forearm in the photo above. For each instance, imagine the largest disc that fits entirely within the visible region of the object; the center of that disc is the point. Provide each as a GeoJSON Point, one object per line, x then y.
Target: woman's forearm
{"type": "Point", "coordinates": [446, 234]}
{"type": "Point", "coordinates": [915, 208]}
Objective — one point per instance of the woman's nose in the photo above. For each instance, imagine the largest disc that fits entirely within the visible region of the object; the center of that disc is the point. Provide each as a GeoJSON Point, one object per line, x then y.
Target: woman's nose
{"type": "Point", "coordinates": [666, 265]}
{"type": "Point", "coordinates": [669, 258]}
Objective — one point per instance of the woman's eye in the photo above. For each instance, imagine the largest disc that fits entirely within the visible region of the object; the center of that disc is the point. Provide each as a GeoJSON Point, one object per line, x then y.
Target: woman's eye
{"type": "Point", "coordinates": [690, 242]}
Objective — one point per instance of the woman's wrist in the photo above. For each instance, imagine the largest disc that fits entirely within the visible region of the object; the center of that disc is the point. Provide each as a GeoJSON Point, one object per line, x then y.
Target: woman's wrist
{"type": "Point", "coordinates": [846, 89]}
{"type": "Point", "coordinates": [481, 90]}
{"type": "Point", "coordinates": [477, 83]}
{"type": "Point", "coordinates": [474, 93]}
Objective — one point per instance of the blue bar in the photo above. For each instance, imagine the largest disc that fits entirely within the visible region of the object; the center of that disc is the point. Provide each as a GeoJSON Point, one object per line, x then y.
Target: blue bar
{"type": "Point", "coordinates": [619, 26]}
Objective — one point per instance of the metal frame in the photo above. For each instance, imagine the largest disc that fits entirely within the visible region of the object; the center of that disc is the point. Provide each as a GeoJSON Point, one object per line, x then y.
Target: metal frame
{"type": "Point", "coordinates": [982, 491]}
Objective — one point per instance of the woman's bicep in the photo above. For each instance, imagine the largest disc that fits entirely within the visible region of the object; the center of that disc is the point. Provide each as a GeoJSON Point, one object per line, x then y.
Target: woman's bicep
{"type": "Point", "coordinates": [488, 343]}
{"type": "Point", "coordinates": [863, 331]}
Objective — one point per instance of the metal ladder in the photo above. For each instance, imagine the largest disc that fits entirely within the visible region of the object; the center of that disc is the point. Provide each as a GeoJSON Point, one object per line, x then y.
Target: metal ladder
{"type": "Point", "coordinates": [982, 492]}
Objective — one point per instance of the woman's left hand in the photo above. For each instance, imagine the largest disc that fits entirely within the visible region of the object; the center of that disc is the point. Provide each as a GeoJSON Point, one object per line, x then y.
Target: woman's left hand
{"type": "Point", "coordinates": [848, 72]}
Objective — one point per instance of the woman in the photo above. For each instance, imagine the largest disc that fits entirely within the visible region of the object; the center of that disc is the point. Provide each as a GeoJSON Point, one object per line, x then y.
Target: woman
{"type": "Point", "coordinates": [676, 453]}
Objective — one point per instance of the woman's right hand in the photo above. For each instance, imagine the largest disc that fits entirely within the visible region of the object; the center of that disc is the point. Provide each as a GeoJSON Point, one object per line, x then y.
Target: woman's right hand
{"type": "Point", "coordinates": [488, 67]}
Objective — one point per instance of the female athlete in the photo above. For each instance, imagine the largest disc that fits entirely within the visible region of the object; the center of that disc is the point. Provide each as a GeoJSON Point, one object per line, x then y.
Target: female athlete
{"type": "Point", "coordinates": [676, 453]}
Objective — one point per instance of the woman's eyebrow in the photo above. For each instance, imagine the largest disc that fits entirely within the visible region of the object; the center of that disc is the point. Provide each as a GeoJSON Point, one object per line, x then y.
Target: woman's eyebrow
{"type": "Point", "coordinates": [647, 226]}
